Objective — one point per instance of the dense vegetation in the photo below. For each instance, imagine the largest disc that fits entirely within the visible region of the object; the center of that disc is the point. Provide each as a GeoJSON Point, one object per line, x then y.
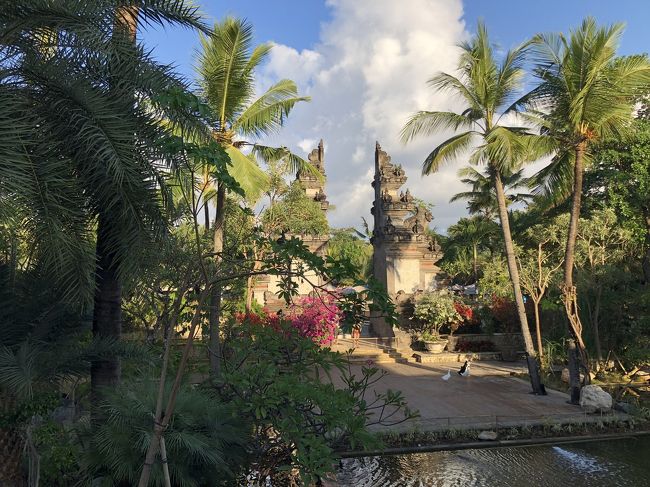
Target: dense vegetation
{"type": "Point", "coordinates": [132, 350]}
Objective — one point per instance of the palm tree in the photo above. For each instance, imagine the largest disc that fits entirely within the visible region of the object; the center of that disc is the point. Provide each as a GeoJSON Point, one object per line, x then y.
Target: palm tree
{"type": "Point", "coordinates": [481, 198]}
{"type": "Point", "coordinates": [227, 66]}
{"type": "Point", "coordinates": [472, 232]}
{"type": "Point", "coordinates": [83, 144]}
{"type": "Point", "coordinates": [487, 88]}
{"type": "Point", "coordinates": [586, 94]}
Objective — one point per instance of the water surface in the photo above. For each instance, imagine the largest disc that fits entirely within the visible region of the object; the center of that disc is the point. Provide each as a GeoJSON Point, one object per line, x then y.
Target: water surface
{"type": "Point", "coordinates": [624, 463]}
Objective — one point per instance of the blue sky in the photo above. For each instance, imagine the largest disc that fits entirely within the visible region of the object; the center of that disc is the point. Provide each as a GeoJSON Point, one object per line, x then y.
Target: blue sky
{"type": "Point", "coordinates": [365, 64]}
{"type": "Point", "coordinates": [297, 23]}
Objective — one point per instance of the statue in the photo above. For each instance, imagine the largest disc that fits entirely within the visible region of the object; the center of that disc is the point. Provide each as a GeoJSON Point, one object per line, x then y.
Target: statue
{"type": "Point", "coordinates": [320, 196]}
{"type": "Point", "coordinates": [386, 197]}
{"type": "Point", "coordinates": [406, 198]}
{"type": "Point", "coordinates": [419, 221]}
{"type": "Point", "coordinates": [389, 228]}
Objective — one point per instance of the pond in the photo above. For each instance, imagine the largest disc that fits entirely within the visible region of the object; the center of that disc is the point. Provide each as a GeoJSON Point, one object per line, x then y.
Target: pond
{"type": "Point", "coordinates": [624, 463]}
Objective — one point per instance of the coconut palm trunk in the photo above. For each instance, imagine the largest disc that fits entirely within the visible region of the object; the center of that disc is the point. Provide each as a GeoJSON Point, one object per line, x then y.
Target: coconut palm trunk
{"type": "Point", "coordinates": [511, 260]}
{"type": "Point", "coordinates": [216, 292]}
{"type": "Point", "coordinates": [569, 290]}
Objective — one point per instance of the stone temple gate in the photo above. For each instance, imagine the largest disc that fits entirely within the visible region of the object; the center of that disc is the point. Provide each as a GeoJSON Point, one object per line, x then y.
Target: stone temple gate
{"type": "Point", "coordinates": [404, 254]}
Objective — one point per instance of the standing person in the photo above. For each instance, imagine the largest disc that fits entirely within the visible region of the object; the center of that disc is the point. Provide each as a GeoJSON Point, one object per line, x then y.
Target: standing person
{"type": "Point", "coordinates": [356, 334]}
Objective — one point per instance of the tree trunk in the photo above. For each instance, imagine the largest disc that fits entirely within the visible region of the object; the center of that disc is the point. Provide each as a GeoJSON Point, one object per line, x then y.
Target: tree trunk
{"type": "Point", "coordinates": [533, 368]}
{"type": "Point", "coordinates": [595, 322]}
{"type": "Point", "coordinates": [574, 372]}
{"type": "Point", "coordinates": [107, 313]}
{"type": "Point", "coordinates": [206, 215]}
{"type": "Point", "coordinates": [215, 294]}
{"type": "Point", "coordinates": [475, 263]}
{"type": "Point", "coordinates": [646, 256]}
{"type": "Point", "coordinates": [538, 329]}
{"type": "Point", "coordinates": [11, 451]}
{"type": "Point", "coordinates": [569, 291]}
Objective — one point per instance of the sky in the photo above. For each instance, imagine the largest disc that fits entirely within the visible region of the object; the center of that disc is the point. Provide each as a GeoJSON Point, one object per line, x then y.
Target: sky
{"type": "Point", "coordinates": [365, 64]}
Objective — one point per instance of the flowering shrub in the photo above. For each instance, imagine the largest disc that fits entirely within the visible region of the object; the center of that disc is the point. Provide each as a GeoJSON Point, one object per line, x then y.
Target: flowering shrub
{"type": "Point", "coordinates": [316, 318]}
{"type": "Point", "coordinates": [504, 312]}
{"type": "Point", "coordinates": [465, 312]}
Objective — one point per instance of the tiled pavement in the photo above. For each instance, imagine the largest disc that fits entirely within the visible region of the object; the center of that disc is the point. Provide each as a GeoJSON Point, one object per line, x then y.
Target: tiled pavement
{"type": "Point", "coordinates": [489, 397]}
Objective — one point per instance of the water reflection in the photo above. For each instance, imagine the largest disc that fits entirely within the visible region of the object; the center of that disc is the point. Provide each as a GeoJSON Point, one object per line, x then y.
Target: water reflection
{"type": "Point", "coordinates": [603, 464]}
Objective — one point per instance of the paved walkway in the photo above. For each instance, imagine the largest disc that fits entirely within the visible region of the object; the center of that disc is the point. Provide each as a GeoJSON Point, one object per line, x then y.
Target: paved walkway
{"type": "Point", "coordinates": [488, 398]}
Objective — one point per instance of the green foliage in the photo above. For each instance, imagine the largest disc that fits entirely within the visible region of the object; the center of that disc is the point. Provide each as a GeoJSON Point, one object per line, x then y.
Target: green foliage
{"type": "Point", "coordinates": [432, 311]}
{"type": "Point", "coordinates": [73, 104]}
{"type": "Point", "coordinates": [344, 244]}
{"type": "Point", "coordinates": [296, 213]}
{"type": "Point", "coordinates": [204, 442]}
{"type": "Point", "coordinates": [59, 453]}
{"type": "Point", "coordinates": [495, 280]}
{"type": "Point", "coordinates": [302, 402]}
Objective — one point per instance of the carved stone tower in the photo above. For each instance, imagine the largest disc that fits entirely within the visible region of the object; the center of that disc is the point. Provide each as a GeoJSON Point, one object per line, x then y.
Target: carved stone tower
{"type": "Point", "coordinates": [314, 186]}
{"type": "Point", "coordinates": [404, 255]}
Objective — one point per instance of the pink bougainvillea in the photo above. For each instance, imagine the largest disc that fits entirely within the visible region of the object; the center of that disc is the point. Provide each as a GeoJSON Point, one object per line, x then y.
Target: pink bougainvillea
{"type": "Point", "coordinates": [316, 318]}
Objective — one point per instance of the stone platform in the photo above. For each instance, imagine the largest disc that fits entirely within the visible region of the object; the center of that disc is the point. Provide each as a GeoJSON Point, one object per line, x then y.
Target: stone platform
{"type": "Point", "coordinates": [451, 357]}
{"type": "Point", "coordinates": [489, 398]}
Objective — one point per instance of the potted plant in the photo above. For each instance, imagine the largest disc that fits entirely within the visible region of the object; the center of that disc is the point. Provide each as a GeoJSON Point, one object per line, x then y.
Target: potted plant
{"type": "Point", "coordinates": [432, 311]}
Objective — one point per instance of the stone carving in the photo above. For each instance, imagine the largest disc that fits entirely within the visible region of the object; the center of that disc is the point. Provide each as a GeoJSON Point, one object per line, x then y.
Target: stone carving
{"type": "Point", "coordinates": [419, 222]}
{"type": "Point", "coordinates": [405, 197]}
{"type": "Point", "coordinates": [389, 228]}
{"type": "Point", "coordinates": [320, 196]}
{"type": "Point", "coordinates": [386, 197]}
{"type": "Point", "coordinates": [433, 245]}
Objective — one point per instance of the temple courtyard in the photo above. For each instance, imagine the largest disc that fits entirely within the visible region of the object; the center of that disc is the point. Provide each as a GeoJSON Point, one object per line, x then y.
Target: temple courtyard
{"type": "Point", "coordinates": [489, 398]}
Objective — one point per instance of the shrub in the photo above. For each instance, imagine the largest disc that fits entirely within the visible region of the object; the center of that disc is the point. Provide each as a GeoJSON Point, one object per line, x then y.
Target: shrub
{"type": "Point", "coordinates": [433, 310]}
{"type": "Point", "coordinates": [316, 318]}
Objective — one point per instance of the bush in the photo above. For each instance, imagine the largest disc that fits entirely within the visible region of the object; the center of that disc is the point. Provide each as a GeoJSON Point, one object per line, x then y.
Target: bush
{"type": "Point", "coordinates": [432, 311]}
{"type": "Point", "coordinates": [315, 318]}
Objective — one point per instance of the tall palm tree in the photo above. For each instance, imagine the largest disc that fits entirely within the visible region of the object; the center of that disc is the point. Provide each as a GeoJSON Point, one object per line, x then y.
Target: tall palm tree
{"type": "Point", "coordinates": [481, 199]}
{"type": "Point", "coordinates": [488, 88]}
{"type": "Point", "coordinates": [226, 67]}
{"type": "Point", "coordinates": [586, 94]}
{"type": "Point", "coordinates": [83, 144]}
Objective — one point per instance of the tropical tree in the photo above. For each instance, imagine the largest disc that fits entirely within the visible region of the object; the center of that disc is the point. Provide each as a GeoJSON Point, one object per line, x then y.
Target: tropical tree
{"type": "Point", "coordinates": [474, 233]}
{"type": "Point", "coordinates": [488, 89]}
{"type": "Point", "coordinates": [481, 199]}
{"type": "Point", "coordinates": [83, 145]}
{"type": "Point", "coordinates": [539, 263]}
{"type": "Point", "coordinates": [586, 94]}
{"type": "Point", "coordinates": [226, 66]}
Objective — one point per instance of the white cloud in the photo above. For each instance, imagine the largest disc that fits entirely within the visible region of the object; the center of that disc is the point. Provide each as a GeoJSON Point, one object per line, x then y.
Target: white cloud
{"type": "Point", "coordinates": [365, 77]}
{"type": "Point", "coordinates": [306, 145]}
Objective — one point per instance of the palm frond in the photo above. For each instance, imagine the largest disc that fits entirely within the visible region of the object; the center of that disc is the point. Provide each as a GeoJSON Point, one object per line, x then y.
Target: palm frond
{"type": "Point", "coordinates": [447, 151]}
{"type": "Point", "coordinates": [427, 123]}
{"type": "Point", "coordinates": [247, 173]}
{"type": "Point", "coordinates": [267, 114]}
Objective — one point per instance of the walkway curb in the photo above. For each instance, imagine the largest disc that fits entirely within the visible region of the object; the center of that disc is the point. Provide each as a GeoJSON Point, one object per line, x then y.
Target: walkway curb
{"type": "Point", "coordinates": [472, 445]}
